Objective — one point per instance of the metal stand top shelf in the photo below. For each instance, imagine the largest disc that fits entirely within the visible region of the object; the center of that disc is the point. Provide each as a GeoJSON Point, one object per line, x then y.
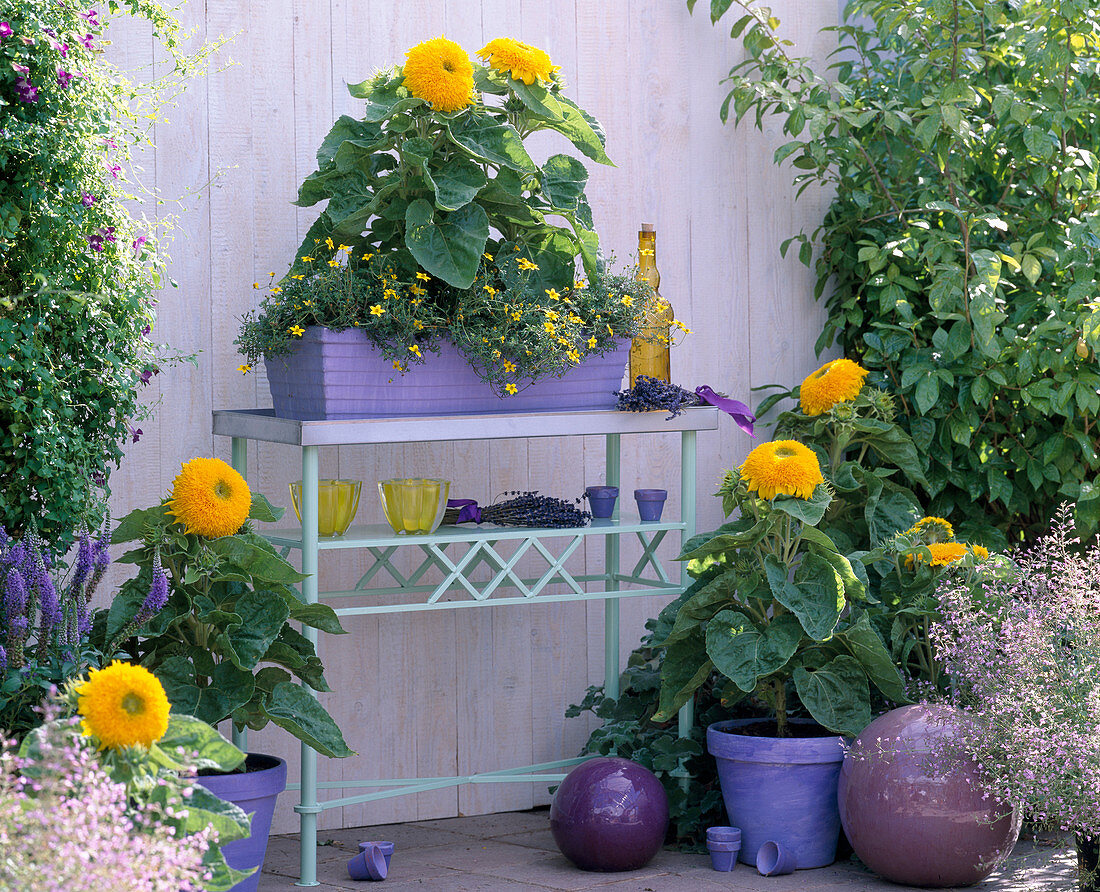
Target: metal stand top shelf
{"type": "Point", "coordinates": [261, 424]}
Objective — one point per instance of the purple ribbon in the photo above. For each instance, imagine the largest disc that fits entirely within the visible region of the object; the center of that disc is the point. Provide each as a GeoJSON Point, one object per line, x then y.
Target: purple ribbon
{"type": "Point", "coordinates": [468, 510]}
{"type": "Point", "coordinates": [736, 409]}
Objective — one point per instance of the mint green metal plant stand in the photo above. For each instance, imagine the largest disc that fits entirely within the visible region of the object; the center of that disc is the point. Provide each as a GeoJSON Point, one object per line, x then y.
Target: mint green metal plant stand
{"type": "Point", "coordinates": [457, 551]}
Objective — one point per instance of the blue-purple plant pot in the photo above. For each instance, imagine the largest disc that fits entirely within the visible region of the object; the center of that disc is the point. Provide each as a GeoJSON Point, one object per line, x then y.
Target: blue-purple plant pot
{"type": "Point", "coordinates": [255, 792]}
{"type": "Point", "coordinates": [780, 789]}
{"type": "Point", "coordinates": [340, 374]}
{"type": "Point", "coordinates": [601, 500]}
{"type": "Point", "coordinates": [651, 503]}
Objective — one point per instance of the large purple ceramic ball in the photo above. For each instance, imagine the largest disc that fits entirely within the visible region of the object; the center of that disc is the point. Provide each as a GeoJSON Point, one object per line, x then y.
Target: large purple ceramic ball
{"type": "Point", "coordinates": [609, 814]}
{"type": "Point", "coordinates": [915, 823]}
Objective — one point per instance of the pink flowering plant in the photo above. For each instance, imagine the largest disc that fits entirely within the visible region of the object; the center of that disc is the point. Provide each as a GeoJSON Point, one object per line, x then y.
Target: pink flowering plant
{"type": "Point", "coordinates": [69, 826]}
{"type": "Point", "coordinates": [1022, 645]}
{"type": "Point", "coordinates": [116, 813]}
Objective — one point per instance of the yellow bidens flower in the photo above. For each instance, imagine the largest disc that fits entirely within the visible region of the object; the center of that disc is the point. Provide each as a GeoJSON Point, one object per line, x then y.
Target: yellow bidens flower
{"type": "Point", "coordinates": [835, 382]}
{"type": "Point", "coordinates": [943, 553]}
{"type": "Point", "coordinates": [123, 705]}
{"type": "Point", "coordinates": [523, 61]}
{"type": "Point", "coordinates": [417, 290]}
{"type": "Point", "coordinates": [423, 277]}
{"type": "Point", "coordinates": [510, 388]}
{"type": "Point", "coordinates": [524, 263]}
{"type": "Point", "coordinates": [415, 348]}
{"type": "Point", "coordinates": [932, 529]}
{"type": "Point", "coordinates": [591, 343]}
{"type": "Point", "coordinates": [209, 498]}
{"type": "Point", "coordinates": [377, 310]}
{"type": "Point", "coordinates": [296, 330]}
{"type": "Point", "coordinates": [487, 256]}
{"type": "Point", "coordinates": [782, 467]}
{"type": "Point", "coordinates": [440, 72]}
{"type": "Point", "coordinates": [553, 294]}
{"type": "Point", "coordinates": [244, 369]}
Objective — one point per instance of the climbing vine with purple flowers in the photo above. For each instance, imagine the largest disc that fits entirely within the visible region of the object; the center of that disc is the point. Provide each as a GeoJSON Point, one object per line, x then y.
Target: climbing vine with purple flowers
{"type": "Point", "coordinates": [78, 266]}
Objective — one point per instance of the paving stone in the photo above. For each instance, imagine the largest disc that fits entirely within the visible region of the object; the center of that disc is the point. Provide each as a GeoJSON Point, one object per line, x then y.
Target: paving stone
{"type": "Point", "coordinates": [536, 839]}
{"type": "Point", "coordinates": [515, 851]}
{"type": "Point", "coordinates": [555, 872]}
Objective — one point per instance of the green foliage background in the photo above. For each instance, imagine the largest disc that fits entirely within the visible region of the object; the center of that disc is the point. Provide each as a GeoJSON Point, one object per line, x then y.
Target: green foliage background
{"type": "Point", "coordinates": [959, 257]}
{"type": "Point", "coordinates": [74, 321]}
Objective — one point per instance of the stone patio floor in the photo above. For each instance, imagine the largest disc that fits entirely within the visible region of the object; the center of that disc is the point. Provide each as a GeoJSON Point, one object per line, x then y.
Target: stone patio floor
{"type": "Point", "coordinates": [515, 851]}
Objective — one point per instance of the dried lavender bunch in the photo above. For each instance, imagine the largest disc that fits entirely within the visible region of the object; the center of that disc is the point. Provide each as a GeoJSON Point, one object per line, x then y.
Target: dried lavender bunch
{"type": "Point", "coordinates": [529, 509]}
{"type": "Point", "coordinates": [649, 394]}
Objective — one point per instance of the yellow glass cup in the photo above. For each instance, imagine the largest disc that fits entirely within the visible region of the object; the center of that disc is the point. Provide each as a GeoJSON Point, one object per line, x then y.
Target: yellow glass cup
{"type": "Point", "coordinates": [337, 502]}
{"type": "Point", "coordinates": [414, 505]}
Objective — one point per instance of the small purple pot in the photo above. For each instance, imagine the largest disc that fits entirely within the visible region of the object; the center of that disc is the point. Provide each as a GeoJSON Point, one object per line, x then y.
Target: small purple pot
{"type": "Point", "coordinates": [774, 860]}
{"type": "Point", "coordinates": [723, 843]}
{"type": "Point", "coordinates": [601, 500]}
{"type": "Point", "coordinates": [724, 834]}
{"type": "Point", "coordinates": [651, 502]}
{"type": "Point", "coordinates": [369, 864]}
{"type": "Point", "coordinates": [386, 847]}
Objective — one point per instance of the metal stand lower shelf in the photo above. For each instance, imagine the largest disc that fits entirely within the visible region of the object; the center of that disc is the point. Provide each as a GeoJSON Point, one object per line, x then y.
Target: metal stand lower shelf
{"type": "Point", "coordinates": [459, 552]}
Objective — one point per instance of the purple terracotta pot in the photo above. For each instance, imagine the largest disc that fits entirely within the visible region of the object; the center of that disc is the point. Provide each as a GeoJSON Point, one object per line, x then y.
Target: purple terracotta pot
{"type": "Point", "coordinates": [911, 822]}
{"type": "Point", "coordinates": [340, 374]}
{"type": "Point", "coordinates": [254, 791]}
{"type": "Point", "coordinates": [781, 790]}
{"type": "Point", "coordinates": [609, 814]}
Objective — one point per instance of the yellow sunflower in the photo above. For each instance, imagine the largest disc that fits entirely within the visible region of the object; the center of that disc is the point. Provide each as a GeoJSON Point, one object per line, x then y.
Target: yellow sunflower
{"type": "Point", "coordinates": [835, 382]}
{"type": "Point", "coordinates": [980, 552]}
{"type": "Point", "coordinates": [943, 553]}
{"type": "Point", "coordinates": [123, 705]}
{"type": "Point", "coordinates": [210, 498]}
{"type": "Point", "coordinates": [782, 467]}
{"type": "Point", "coordinates": [523, 61]}
{"type": "Point", "coordinates": [439, 71]}
{"type": "Point", "coordinates": [932, 529]}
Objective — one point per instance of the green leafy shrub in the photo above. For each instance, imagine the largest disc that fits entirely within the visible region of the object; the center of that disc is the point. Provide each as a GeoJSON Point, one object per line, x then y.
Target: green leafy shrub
{"type": "Point", "coordinates": [77, 270]}
{"type": "Point", "coordinates": [960, 253]}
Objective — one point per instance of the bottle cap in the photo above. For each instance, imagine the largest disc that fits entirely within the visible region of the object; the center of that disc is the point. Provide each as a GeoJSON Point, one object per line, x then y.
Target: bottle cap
{"type": "Point", "coordinates": [648, 227]}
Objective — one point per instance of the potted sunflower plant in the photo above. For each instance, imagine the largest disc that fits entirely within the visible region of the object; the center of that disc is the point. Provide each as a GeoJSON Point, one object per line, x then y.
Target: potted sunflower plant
{"type": "Point", "coordinates": [446, 257]}
{"type": "Point", "coordinates": [107, 781]}
{"type": "Point", "coordinates": [779, 610]}
{"type": "Point", "coordinates": [218, 635]}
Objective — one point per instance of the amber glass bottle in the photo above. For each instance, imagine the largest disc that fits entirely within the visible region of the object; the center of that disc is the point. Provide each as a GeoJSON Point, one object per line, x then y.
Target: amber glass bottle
{"type": "Point", "coordinates": [649, 350]}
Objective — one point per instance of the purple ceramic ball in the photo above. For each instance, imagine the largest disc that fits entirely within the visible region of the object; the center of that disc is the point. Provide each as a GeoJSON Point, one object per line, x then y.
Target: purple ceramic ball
{"type": "Point", "coordinates": [609, 814]}
{"type": "Point", "coordinates": [912, 823]}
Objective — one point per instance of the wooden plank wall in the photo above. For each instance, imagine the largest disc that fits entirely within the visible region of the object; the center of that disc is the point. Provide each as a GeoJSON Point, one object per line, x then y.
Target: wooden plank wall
{"type": "Point", "coordinates": [473, 689]}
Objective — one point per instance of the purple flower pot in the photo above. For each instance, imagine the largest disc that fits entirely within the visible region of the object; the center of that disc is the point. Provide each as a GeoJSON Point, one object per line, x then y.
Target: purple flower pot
{"type": "Point", "coordinates": [780, 790]}
{"type": "Point", "coordinates": [774, 860]}
{"type": "Point", "coordinates": [915, 824]}
{"type": "Point", "coordinates": [601, 500]}
{"type": "Point", "coordinates": [369, 864]}
{"type": "Point", "coordinates": [723, 855]}
{"type": "Point", "coordinates": [255, 791]}
{"type": "Point", "coordinates": [340, 374]}
{"type": "Point", "coordinates": [386, 848]}
{"type": "Point", "coordinates": [609, 814]}
{"type": "Point", "coordinates": [651, 502]}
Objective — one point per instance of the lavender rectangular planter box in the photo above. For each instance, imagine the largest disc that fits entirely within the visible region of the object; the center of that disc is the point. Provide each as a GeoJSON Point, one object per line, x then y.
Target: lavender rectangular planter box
{"type": "Point", "coordinates": [340, 374]}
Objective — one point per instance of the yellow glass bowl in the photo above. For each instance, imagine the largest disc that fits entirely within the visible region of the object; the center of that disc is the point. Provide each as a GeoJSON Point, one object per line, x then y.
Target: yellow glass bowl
{"type": "Point", "coordinates": [337, 502]}
{"type": "Point", "coordinates": [414, 505]}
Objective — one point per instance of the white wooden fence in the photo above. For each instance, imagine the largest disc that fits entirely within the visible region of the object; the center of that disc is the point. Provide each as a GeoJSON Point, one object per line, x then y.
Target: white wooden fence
{"type": "Point", "coordinates": [438, 694]}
